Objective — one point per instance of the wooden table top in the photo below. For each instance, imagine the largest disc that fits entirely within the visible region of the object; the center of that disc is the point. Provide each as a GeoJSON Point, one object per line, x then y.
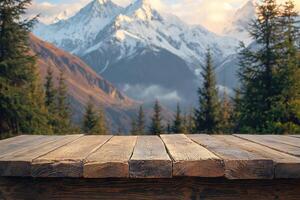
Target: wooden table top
{"type": "Point", "coordinates": [164, 156]}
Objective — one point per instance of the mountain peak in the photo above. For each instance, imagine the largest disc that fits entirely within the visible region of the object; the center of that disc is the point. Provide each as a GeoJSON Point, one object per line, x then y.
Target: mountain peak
{"type": "Point", "coordinates": [250, 3]}
{"type": "Point", "coordinates": [140, 9]}
{"type": "Point", "coordinates": [102, 1]}
{"type": "Point", "coordinates": [100, 6]}
{"type": "Point", "coordinates": [239, 24]}
{"type": "Point", "coordinates": [142, 3]}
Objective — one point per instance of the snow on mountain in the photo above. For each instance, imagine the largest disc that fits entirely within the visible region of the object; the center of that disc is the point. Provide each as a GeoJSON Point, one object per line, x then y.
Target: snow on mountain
{"type": "Point", "coordinates": [140, 26]}
{"type": "Point", "coordinates": [61, 16]}
{"type": "Point", "coordinates": [239, 23]}
{"type": "Point", "coordinates": [79, 31]}
{"type": "Point", "coordinates": [139, 47]}
{"type": "Point", "coordinates": [131, 28]}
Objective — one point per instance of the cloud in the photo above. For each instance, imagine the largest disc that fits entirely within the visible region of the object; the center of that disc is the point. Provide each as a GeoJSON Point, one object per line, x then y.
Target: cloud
{"type": "Point", "coordinates": [213, 14]}
{"type": "Point", "coordinates": [151, 93]}
{"type": "Point", "coordinates": [49, 11]}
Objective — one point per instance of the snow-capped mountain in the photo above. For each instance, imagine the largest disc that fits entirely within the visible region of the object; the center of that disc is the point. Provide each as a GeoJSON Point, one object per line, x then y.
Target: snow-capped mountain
{"type": "Point", "coordinates": [140, 26]}
{"type": "Point", "coordinates": [139, 47]}
{"type": "Point", "coordinates": [79, 31]}
{"type": "Point", "coordinates": [239, 23]}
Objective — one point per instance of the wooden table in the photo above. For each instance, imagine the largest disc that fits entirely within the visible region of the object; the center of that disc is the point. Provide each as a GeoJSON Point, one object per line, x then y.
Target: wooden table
{"type": "Point", "coordinates": [150, 167]}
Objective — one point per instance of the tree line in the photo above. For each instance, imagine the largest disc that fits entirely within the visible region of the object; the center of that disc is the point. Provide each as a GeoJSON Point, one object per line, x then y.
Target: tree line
{"type": "Point", "coordinates": [268, 98]}
{"type": "Point", "coordinates": [56, 101]}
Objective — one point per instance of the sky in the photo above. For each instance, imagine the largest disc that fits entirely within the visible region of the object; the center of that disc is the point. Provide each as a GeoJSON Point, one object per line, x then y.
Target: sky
{"type": "Point", "coordinates": [213, 14]}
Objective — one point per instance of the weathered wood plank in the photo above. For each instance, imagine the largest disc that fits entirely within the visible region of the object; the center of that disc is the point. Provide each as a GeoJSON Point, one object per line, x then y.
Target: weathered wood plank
{"type": "Point", "coordinates": [239, 163]}
{"type": "Point", "coordinates": [148, 189]}
{"type": "Point", "coordinates": [297, 136]}
{"type": "Point", "coordinates": [283, 139]}
{"type": "Point", "coordinates": [286, 166]}
{"type": "Point", "coordinates": [18, 163]}
{"type": "Point", "coordinates": [272, 143]}
{"type": "Point", "coordinates": [18, 143]}
{"type": "Point", "coordinates": [191, 159]}
{"type": "Point", "coordinates": [111, 160]}
{"type": "Point", "coordinates": [150, 159]}
{"type": "Point", "coordinates": [13, 139]}
{"type": "Point", "coordinates": [67, 161]}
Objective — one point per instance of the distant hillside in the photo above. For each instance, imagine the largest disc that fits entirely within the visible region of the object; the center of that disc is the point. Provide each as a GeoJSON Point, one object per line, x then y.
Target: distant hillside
{"type": "Point", "coordinates": [83, 82]}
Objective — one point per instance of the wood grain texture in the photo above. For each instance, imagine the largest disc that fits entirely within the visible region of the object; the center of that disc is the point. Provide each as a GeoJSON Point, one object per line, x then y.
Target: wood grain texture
{"type": "Point", "coordinates": [18, 163]}
{"type": "Point", "coordinates": [111, 160]}
{"type": "Point", "coordinates": [148, 189]}
{"type": "Point", "coordinates": [67, 161]}
{"type": "Point", "coordinates": [18, 143]}
{"type": "Point", "coordinates": [191, 159]}
{"type": "Point", "coordinates": [239, 163]}
{"type": "Point", "coordinates": [286, 166]}
{"type": "Point", "coordinates": [297, 136]}
{"type": "Point", "coordinates": [150, 159]}
{"type": "Point", "coordinates": [283, 139]}
{"type": "Point", "coordinates": [272, 143]}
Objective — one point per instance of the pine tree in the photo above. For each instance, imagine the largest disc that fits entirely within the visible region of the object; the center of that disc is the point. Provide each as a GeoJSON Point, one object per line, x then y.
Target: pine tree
{"type": "Point", "coordinates": [90, 119]}
{"type": "Point", "coordinates": [169, 128]}
{"type": "Point", "coordinates": [156, 127]}
{"type": "Point", "coordinates": [134, 129]}
{"type": "Point", "coordinates": [207, 116]}
{"type": "Point", "coordinates": [236, 112]}
{"type": "Point", "coordinates": [21, 95]}
{"type": "Point", "coordinates": [141, 121]}
{"type": "Point", "coordinates": [50, 99]}
{"type": "Point", "coordinates": [185, 124]}
{"type": "Point", "coordinates": [62, 110]}
{"type": "Point", "coordinates": [268, 73]}
{"type": "Point", "coordinates": [101, 125]}
{"type": "Point", "coordinates": [50, 91]}
{"type": "Point", "coordinates": [286, 109]}
{"type": "Point", "coordinates": [190, 122]}
{"type": "Point", "coordinates": [226, 115]}
{"type": "Point", "coordinates": [178, 121]}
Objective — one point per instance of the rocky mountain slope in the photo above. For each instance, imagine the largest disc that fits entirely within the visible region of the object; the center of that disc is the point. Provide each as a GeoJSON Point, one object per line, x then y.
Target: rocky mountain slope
{"type": "Point", "coordinates": [83, 83]}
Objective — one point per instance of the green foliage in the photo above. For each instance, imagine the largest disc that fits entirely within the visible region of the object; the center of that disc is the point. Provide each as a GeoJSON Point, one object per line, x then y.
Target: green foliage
{"type": "Point", "coordinates": [101, 126]}
{"type": "Point", "coordinates": [156, 127]}
{"type": "Point", "coordinates": [138, 123]}
{"type": "Point", "coordinates": [94, 123]}
{"type": "Point", "coordinates": [190, 125]}
{"type": "Point", "coordinates": [56, 101]}
{"type": "Point", "coordinates": [134, 130]}
{"type": "Point", "coordinates": [236, 115]}
{"type": "Point", "coordinates": [178, 126]}
{"type": "Point", "coordinates": [50, 91]}
{"type": "Point", "coordinates": [141, 121]}
{"type": "Point", "coordinates": [169, 128]}
{"type": "Point", "coordinates": [226, 124]}
{"type": "Point", "coordinates": [21, 96]}
{"type": "Point", "coordinates": [270, 74]}
{"type": "Point", "coordinates": [63, 111]}
{"type": "Point", "coordinates": [207, 116]}
{"type": "Point", "coordinates": [286, 108]}
{"type": "Point", "coordinates": [89, 119]}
